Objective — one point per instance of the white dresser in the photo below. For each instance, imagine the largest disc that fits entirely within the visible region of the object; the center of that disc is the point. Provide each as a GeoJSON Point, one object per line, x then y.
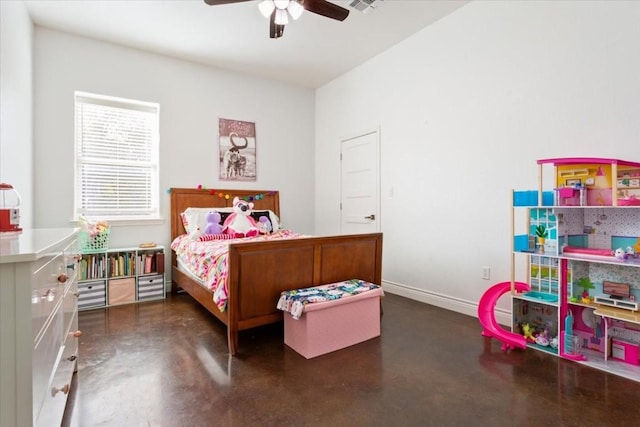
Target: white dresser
{"type": "Point", "coordinates": [38, 325]}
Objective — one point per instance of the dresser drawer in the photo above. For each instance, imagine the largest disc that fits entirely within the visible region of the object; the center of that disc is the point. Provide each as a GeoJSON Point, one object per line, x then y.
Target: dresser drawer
{"type": "Point", "coordinates": [48, 284]}
{"type": "Point", "coordinates": [43, 303]}
{"type": "Point", "coordinates": [70, 305]}
{"type": "Point", "coordinates": [150, 287]}
{"type": "Point", "coordinates": [47, 269]}
{"type": "Point", "coordinates": [55, 397]}
{"type": "Point", "coordinates": [46, 352]}
{"type": "Point", "coordinates": [49, 280]}
{"type": "Point", "coordinates": [41, 263]}
{"type": "Point", "coordinates": [92, 294]}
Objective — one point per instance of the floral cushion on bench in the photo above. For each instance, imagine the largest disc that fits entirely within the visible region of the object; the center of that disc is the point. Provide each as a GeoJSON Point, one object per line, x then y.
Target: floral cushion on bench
{"type": "Point", "coordinates": [295, 300]}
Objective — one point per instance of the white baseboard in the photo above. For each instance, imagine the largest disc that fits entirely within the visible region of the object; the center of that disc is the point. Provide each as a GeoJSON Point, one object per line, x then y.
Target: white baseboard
{"type": "Point", "coordinates": [470, 308]}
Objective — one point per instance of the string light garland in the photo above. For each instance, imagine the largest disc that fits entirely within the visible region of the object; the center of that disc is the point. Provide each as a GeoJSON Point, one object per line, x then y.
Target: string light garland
{"type": "Point", "coordinates": [228, 196]}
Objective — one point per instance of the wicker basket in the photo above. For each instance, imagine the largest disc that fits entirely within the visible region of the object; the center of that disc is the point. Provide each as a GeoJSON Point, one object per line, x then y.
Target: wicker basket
{"type": "Point", "coordinates": [98, 243]}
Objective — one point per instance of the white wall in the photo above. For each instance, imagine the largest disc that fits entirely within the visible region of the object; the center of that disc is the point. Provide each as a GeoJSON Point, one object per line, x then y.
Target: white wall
{"type": "Point", "coordinates": [16, 138]}
{"type": "Point", "coordinates": [466, 107]}
{"type": "Point", "coordinates": [192, 98]}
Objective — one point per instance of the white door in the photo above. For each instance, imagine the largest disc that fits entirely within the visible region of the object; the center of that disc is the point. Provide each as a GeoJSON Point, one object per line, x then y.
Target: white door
{"type": "Point", "coordinates": [360, 188]}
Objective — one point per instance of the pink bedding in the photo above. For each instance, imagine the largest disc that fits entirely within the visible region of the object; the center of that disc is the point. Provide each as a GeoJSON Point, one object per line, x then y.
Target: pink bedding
{"type": "Point", "coordinates": [207, 260]}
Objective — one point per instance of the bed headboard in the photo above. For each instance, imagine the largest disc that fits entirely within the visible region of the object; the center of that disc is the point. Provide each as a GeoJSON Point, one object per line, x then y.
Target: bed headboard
{"type": "Point", "coordinates": [183, 198]}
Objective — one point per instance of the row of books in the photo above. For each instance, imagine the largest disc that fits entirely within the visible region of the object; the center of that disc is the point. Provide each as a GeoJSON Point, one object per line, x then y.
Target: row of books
{"type": "Point", "coordinates": [97, 266]}
{"type": "Point", "coordinates": [152, 262]}
{"type": "Point", "coordinates": [92, 267]}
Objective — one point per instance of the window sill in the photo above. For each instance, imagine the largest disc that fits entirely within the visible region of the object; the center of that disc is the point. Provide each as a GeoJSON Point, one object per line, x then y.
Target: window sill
{"type": "Point", "coordinates": [133, 221]}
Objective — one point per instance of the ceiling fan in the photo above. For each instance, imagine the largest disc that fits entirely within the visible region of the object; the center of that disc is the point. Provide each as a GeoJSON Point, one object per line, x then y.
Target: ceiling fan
{"type": "Point", "coordinates": [279, 11]}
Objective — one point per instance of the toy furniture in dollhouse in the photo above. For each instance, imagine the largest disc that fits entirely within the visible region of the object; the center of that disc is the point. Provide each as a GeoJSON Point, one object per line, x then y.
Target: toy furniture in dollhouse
{"type": "Point", "coordinates": [592, 210]}
{"type": "Point", "coordinates": [627, 305]}
{"type": "Point", "coordinates": [626, 351]}
{"type": "Point", "coordinates": [628, 183]}
{"type": "Point", "coordinates": [595, 182]}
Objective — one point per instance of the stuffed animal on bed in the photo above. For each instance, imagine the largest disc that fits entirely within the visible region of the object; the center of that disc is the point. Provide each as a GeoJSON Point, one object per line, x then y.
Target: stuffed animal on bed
{"type": "Point", "coordinates": [195, 234]}
{"type": "Point", "coordinates": [264, 225]}
{"type": "Point", "coordinates": [240, 223]}
{"type": "Point", "coordinates": [213, 223]}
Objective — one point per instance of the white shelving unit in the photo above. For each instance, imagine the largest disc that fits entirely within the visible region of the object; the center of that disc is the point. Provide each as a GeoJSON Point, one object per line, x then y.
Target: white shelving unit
{"type": "Point", "coordinates": [121, 276]}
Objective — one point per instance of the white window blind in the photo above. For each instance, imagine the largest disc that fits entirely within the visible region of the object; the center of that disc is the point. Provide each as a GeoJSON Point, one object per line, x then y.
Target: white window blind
{"type": "Point", "coordinates": [116, 158]}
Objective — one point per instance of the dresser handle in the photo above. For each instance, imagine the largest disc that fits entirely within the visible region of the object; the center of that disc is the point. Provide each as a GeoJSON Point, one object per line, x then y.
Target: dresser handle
{"type": "Point", "coordinates": [64, 389]}
{"type": "Point", "coordinates": [72, 358]}
{"type": "Point", "coordinates": [76, 334]}
{"type": "Point", "coordinates": [49, 294]}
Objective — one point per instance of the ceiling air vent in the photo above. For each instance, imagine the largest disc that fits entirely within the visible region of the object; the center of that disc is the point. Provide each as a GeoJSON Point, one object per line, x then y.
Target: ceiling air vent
{"type": "Point", "coordinates": [365, 6]}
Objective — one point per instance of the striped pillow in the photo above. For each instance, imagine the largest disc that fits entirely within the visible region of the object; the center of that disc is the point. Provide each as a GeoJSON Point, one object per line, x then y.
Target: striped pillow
{"type": "Point", "coordinates": [208, 237]}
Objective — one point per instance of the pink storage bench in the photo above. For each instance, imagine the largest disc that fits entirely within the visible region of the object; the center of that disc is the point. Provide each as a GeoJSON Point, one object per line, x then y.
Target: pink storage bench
{"type": "Point", "coordinates": [327, 318]}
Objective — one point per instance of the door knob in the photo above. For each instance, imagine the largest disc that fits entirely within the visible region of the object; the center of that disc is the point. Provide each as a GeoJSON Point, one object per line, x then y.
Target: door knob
{"type": "Point", "coordinates": [371, 217]}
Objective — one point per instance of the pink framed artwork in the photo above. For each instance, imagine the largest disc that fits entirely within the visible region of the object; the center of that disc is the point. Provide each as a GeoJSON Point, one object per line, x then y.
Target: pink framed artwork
{"type": "Point", "coordinates": [237, 150]}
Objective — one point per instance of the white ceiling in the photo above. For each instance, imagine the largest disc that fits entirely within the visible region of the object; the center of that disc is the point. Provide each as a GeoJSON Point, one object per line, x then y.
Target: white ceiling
{"type": "Point", "coordinates": [313, 51]}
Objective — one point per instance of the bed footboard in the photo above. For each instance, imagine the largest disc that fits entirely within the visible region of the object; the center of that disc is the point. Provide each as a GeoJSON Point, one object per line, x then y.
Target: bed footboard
{"type": "Point", "coordinates": [260, 271]}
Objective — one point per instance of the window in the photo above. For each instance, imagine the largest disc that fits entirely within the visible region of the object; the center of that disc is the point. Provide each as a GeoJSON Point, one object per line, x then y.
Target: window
{"type": "Point", "coordinates": [116, 158]}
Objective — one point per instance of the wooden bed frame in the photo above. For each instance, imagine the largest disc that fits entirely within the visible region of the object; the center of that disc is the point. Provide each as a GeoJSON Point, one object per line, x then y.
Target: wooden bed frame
{"type": "Point", "coordinates": [260, 271]}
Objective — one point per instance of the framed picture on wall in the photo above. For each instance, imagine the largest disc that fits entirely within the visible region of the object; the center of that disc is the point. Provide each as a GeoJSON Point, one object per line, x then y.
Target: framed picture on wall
{"type": "Point", "coordinates": [237, 150]}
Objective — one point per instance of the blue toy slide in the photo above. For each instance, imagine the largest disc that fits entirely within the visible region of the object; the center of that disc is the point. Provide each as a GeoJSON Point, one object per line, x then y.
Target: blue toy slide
{"type": "Point", "coordinates": [486, 315]}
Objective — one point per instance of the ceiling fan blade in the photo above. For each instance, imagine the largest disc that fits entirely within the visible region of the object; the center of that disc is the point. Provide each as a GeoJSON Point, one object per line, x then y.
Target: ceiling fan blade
{"type": "Point", "coordinates": [275, 31]}
{"type": "Point", "coordinates": [217, 2]}
{"type": "Point", "coordinates": [325, 8]}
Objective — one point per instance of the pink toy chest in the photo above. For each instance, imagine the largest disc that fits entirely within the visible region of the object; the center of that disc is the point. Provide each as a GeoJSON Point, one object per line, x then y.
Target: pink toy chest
{"type": "Point", "coordinates": [332, 325]}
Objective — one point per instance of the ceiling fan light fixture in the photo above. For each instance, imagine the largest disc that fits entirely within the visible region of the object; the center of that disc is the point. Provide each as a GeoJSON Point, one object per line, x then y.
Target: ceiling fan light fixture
{"type": "Point", "coordinates": [295, 9]}
{"type": "Point", "coordinates": [278, 12]}
{"type": "Point", "coordinates": [281, 4]}
{"type": "Point", "coordinates": [266, 8]}
{"type": "Point", "coordinates": [281, 17]}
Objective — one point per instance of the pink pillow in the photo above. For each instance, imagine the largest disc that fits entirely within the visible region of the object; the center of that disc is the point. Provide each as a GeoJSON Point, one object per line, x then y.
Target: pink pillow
{"type": "Point", "coordinates": [185, 221]}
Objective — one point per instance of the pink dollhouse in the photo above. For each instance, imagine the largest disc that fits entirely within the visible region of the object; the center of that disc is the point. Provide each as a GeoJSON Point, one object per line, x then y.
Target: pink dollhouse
{"type": "Point", "coordinates": [586, 225]}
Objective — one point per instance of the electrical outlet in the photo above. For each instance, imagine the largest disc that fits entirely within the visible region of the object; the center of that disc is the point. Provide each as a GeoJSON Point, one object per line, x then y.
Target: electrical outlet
{"type": "Point", "coordinates": [486, 273]}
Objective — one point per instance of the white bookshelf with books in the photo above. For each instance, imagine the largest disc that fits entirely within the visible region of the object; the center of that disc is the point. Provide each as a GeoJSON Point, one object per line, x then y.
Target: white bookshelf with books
{"type": "Point", "coordinates": [121, 276]}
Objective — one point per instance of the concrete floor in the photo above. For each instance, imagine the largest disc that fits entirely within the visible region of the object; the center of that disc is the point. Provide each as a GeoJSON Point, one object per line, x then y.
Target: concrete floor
{"type": "Point", "coordinates": [165, 363]}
